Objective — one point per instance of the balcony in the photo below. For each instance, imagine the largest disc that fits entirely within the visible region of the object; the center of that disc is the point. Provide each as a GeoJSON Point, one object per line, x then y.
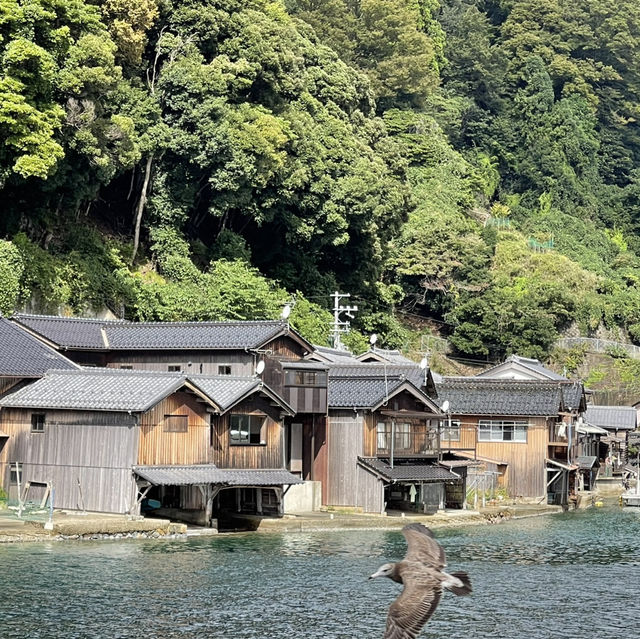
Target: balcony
{"type": "Point", "coordinates": [408, 441]}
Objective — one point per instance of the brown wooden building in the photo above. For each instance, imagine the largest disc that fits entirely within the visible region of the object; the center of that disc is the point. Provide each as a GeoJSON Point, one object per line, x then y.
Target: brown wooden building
{"type": "Point", "coordinates": [87, 434]}
{"type": "Point", "coordinates": [524, 429]}
{"type": "Point", "coordinates": [379, 447]}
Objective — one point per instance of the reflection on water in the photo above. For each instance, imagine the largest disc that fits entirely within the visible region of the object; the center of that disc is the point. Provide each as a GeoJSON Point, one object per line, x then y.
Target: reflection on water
{"type": "Point", "coordinates": [567, 575]}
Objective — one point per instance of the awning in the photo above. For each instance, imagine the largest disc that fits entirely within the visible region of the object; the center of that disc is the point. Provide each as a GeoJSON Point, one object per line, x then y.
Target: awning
{"type": "Point", "coordinates": [590, 429]}
{"type": "Point", "coordinates": [209, 474]}
{"type": "Point", "coordinates": [587, 462]}
{"type": "Point", "coordinates": [403, 473]}
{"type": "Point", "coordinates": [561, 465]}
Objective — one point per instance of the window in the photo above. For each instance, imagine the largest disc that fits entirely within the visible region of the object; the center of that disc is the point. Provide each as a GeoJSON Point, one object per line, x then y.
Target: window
{"type": "Point", "coordinates": [37, 422]}
{"type": "Point", "coordinates": [382, 436]}
{"type": "Point", "coordinates": [306, 378]}
{"type": "Point", "coordinates": [246, 429]}
{"type": "Point", "coordinates": [15, 469]}
{"type": "Point", "coordinates": [176, 423]}
{"type": "Point", "coordinates": [174, 368]}
{"type": "Point", "coordinates": [451, 433]}
{"type": "Point", "coordinates": [126, 367]}
{"type": "Point", "coordinates": [403, 436]}
{"type": "Point", "coordinates": [224, 369]}
{"type": "Point", "coordinates": [502, 431]}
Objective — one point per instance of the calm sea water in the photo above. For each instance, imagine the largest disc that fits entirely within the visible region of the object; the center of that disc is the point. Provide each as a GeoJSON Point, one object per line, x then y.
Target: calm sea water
{"type": "Point", "coordinates": [570, 576]}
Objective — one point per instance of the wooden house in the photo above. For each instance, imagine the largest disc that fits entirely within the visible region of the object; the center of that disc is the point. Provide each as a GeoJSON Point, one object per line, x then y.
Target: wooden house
{"type": "Point", "coordinates": [379, 446]}
{"type": "Point", "coordinates": [525, 430]}
{"type": "Point", "coordinates": [103, 440]}
{"type": "Point", "coordinates": [616, 422]}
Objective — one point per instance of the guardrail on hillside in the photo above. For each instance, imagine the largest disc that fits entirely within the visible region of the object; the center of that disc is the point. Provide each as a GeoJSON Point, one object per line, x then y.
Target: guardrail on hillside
{"type": "Point", "coordinates": [599, 345]}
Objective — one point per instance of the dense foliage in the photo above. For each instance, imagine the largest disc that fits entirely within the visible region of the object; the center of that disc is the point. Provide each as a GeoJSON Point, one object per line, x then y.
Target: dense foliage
{"type": "Point", "coordinates": [473, 161]}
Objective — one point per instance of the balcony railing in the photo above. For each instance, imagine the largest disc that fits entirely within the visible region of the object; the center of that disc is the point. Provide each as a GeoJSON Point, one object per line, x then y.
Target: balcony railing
{"type": "Point", "coordinates": [408, 440]}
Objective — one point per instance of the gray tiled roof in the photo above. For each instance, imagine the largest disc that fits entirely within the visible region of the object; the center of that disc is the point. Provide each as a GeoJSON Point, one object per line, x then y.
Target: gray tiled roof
{"type": "Point", "coordinates": [533, 365]}
{"type": "Point", "coordinates": [411, 372]}
{"type": "Point", "coordinates": [112, 389]}
{"type": "Point", "coordinates": [68, 332]}
{"type": "Point", "coordinates": [361, 392]}
{"type": "Point", "coordinates": [22, 355]}
{"type": "Point", "coordinates": [586, 462]}
{"type": "Point", "coordinates": [227, 391]}
{"type": "Point", "coordinates": [612, 417]}
{"type": "Point", "coordinates": [412, 471]}
{"type": "Point", "coordinates": [210, 474]}
{"type": "Point", "coordinates": [100, 389]}
{"type": "Point", "coordinates": [509, 397]}
{"type": "Point", "coordinates": [382, 354]}
{"type": "Point", "coordinates": [94, 334]}
{"type": "Point", "coordinates": [332, 355]}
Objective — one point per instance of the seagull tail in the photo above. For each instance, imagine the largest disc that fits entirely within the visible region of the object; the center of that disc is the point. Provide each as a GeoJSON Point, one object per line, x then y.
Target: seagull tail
{"type": "Point", "coordinates": [464, 588]}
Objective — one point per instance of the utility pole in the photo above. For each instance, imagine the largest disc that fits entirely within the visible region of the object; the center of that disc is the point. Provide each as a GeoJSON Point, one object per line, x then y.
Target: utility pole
{"type": "Point", "coordinates": [340, 326]}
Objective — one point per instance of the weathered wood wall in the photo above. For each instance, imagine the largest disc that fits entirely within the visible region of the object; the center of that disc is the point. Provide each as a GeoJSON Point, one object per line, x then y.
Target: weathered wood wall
{"type": "Point", "coordinates": [8, 382]}
{"type": "Point", "coordinates": [268, 455]}
{"type": "Point", "coordinates": [526, 467]}
{"type": "Point", "coordinates": [96, 448]}
{"type": "Point", "coordinates": [195, 362]}
{"type": "Point", "coordinates": [158, 447]}
{"type": "Point", "coordinates": [345, 444]}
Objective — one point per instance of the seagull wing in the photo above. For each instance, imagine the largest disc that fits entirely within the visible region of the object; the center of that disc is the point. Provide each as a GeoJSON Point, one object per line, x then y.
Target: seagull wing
{"type": "Point", "coordinates": [416, 603]}
{"type": "Point", "coordinates": [423, 547]}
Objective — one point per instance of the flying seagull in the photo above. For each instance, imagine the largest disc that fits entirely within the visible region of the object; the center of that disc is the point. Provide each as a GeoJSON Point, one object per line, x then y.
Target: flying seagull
{"type": "Point", "coordinates": [423, 578]}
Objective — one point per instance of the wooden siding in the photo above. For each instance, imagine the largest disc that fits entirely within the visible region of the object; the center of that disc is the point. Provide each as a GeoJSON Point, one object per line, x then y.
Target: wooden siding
{"type": "Point", "coordinates": [306, 399]}
{"type": "Point", "coordinates": [159, 448]}
{"type": "Point", "coordinates": [268, 455]}
{"type": "Point", "coordinates": [8, 382]}
{"type": "Point", "coordinates": [370, 492]}
{"type": "Point", "coordinates": [526, 475]}
{"type": "Point", "coordinates": [195, 362]}
{"type": "Point", "coordinates": [97, 449]}
{"type": "Point", "coordinates": [345, 444]}
{"type": "Point", "coordinates": [285, 348]}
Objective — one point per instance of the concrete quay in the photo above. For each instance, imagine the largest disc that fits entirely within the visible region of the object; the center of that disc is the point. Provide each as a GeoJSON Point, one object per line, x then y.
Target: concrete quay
{"type": "Point", "coordinates": [75, 526]}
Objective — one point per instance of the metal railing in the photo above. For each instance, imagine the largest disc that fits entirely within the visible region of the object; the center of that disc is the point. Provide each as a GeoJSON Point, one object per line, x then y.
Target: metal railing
{"type": "Point", "coordinates": [599, 345]}
{"type": "Point", "coordinates": [407, 440]}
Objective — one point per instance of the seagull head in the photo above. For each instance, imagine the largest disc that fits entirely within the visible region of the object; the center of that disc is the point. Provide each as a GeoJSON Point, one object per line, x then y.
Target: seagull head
{"type": "Point", "coordinates": [386, 570]}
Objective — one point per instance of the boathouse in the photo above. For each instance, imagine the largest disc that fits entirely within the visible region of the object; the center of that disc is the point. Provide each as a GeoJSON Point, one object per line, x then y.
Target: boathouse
{"type": "Point", "coordinates": [101, 438]}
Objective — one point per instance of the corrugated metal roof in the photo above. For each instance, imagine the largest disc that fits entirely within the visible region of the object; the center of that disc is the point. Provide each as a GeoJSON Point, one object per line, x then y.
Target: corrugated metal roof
{"type": "Point", "coordinates": [22, 355]}
{"type": "Point", "coordinates": [590, 429]}
{"type": "Point", "coordinates": [509, 397]}
{"type": "Point", "coordinates": [408, 472]}
{"type": "Point", "coordinates": [95, 334]}
{"type": "Point", "coordinates": [210, 474]}
{"type": "Point", "coordinates": [612, 417]}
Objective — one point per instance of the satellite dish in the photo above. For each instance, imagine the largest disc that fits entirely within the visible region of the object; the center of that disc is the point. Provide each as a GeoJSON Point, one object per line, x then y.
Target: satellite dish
{"type": "Point", "coordinates": [373, 339]}
{"type": "Point", "coordinates": [286, 311]}
{"type": "Point", "coordinates": [445, 406]}
{"type": "Point", "coordinates": [260, 367]}
{"type": "Point", "coordinates": [424, 362]}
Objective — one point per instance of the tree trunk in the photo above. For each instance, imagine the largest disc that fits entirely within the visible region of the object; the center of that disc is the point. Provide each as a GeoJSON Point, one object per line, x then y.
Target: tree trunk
{"type": "Point", "coordinates": [141, 204]}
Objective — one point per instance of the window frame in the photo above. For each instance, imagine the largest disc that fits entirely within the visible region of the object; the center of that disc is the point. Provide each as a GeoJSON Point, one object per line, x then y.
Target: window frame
{"type": "Point", "coordinates": [494, 427]}
{"type": "Point", "coordinates": [254, 429]}
{"type": "Point", "coordinates": [174, 368]}
{"type": "Point", "coordinates": [226, 367]}
{"type": "Point", "coordinates": [38, 421]}
{"type": "Point", "coordinates": [183, 423]}
{"type": "Point", "coordinates": [306, 378]}
{"type": "Point", "coordinates": [445, 434]}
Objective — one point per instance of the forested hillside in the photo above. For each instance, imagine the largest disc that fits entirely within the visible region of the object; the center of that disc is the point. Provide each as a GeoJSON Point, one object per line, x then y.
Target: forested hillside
{"type": "Point", "coordinates": [474, 162]}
